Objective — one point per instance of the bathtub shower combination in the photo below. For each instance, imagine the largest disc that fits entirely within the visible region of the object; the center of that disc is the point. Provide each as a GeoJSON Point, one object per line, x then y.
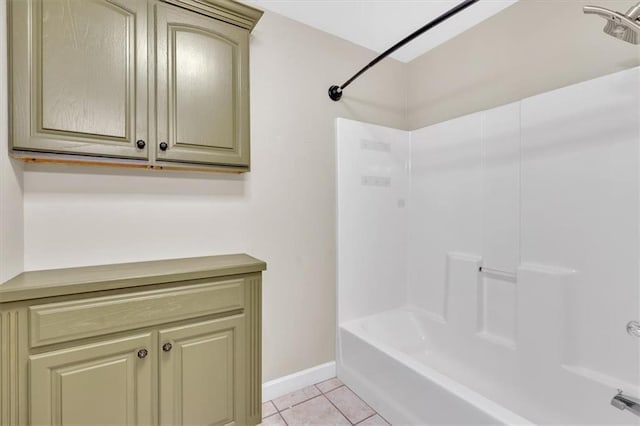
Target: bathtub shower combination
{"type": "Point", "coordinates": [488, 266]}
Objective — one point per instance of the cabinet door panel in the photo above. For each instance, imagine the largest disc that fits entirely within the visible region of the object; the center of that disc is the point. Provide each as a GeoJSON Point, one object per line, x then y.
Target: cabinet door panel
{"type": "Point", "coordinates": [196, 114]}
{"type": "Point", "coordinates": [98, 384]}
{"type": "Point", "coordinates": [86, 60]}
{"type": "Point", "coordinates": [202, 89]}
{"type": "Point", "coordinates": [202, 376]}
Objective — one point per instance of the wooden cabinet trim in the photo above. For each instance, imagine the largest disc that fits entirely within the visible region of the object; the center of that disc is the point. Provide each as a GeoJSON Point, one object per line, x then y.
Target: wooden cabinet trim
{"type": "Point", "coordinates": [86, 279]}
{"type": "Point", "coordinates": [65, 321]}
{"type": "Point", "coordinates": [231, 12]}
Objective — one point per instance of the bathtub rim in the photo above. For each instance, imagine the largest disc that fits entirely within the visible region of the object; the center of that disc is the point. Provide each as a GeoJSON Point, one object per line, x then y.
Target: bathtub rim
{"type": "Point", "coordinates": [447, 384]}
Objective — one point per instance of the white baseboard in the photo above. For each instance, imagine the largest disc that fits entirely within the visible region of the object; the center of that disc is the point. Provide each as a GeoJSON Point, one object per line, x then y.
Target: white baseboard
{"type": "Point", "coordinates": [298, 380]}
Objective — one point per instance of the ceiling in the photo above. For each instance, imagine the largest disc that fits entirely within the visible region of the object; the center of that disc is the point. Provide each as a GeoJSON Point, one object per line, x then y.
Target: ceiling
{"type": "Point", "coordinates": [378, 24]}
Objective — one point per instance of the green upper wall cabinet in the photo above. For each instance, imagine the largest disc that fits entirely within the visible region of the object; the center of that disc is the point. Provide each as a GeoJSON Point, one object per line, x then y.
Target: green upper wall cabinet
{"type": "Point", "coordinates": [202, 94]}
{"type": "Point", "coordinates": [79, 76]}
{"type": "Point", "coordinates": [146, 83]}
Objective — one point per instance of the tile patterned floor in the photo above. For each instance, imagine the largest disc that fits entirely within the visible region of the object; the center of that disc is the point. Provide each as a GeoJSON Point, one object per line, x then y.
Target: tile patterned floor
{"type": "Point", "coordinates": [327, 403]}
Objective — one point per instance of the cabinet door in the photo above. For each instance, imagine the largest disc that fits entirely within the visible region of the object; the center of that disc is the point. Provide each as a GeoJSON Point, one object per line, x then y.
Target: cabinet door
{"type": "Point", "coordinates": [202, 375]}
{"type": "Point", "coordinates": [202, 83]}
{"type": "Point", "coordinates": [105, 383]}
{"type": "Point", "coordinates": [79, 72]}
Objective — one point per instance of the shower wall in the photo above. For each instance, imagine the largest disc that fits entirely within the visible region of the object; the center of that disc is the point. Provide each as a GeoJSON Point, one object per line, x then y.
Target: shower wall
{"type": "Point", "coordinates": [465, 210]}
{"type": "Point", "coordinates": [543, 195]}
{"type": "Point", "coordinates": [522, 234]}
{"type": "Point", "coordinates": [373, 185]}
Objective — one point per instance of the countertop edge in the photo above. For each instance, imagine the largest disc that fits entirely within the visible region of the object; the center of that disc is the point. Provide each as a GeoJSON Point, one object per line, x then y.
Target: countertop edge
{"type": "Point", "coordinates": [46, 283]}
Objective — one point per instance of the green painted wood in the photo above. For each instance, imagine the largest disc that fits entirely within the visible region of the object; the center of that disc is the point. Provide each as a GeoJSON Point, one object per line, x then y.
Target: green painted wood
{"type": "Point", "coordinates": [210, 375]}
{"type": "Point", "coordinates": [253, 316]}
{"type": "Point", "coordinates": [13, 367]}
{"type": "Point", "coordinates": [78, 73]}
{"type": "Point", "coordinates": [202, 96]}
{"type": "Point", "coordinates": [71, 320]}
{"type": "Point", "coordinates": [202, 377]}
{"type": "Point", "coordinates": [230, 11]}
{"type": "Point", "coordinates": [57, 282]}
{"type": "Point", "coordinates": [104, 383]}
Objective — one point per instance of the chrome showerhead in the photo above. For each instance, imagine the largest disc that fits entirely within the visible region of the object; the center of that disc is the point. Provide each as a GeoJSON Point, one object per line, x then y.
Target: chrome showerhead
{"type": "Point", "coordinates": [621, 26]}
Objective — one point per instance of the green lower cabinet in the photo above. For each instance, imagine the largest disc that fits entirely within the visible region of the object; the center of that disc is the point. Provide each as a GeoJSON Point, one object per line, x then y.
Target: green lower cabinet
{"type": "Point", "coordinates": [200, 369]}
{"type": "Point", "coordinates": [202, 373]}
{"type": "Point", "coordinates": [106, 383]}
{"type": "Point", "coordinates": [175, 342]}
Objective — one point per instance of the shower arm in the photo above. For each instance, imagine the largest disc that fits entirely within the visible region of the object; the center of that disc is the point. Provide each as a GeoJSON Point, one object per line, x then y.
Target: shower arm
{"type": "Point", "coordinates": [632, 15]}
{"type": "Point", "coordinates": [634, 12]}
{"type": "Point", "coordinates": [335, 92]}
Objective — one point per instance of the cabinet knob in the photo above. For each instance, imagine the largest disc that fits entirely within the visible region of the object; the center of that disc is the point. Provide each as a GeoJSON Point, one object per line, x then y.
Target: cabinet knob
{"type": "Point", "coordinates": [142, 353]}
{"type": "Point", "coordinates": [163, 146]}
{"type": "Point", "coordinates": [141, 144]}
{"type": "Point", "coordinates": [167, 347]}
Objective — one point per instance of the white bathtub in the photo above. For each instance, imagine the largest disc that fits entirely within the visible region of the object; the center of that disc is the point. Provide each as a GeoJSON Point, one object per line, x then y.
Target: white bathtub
{"type": "Point", "coordinates": [388, 360]}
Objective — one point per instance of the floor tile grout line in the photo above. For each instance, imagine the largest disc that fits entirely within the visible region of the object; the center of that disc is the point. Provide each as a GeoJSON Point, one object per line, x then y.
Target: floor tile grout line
{"type": "Point", "coordinates": [332, 389]}
{"type": "Point", "coordinates": [318, 396]}
{"type": "Point", "coordinates": [364, 420]}
{"type": "Point", "coordinates": [275, 414]}
{"type": "Point", "coordinates": [384, 419]}
{"type": "Point", "coordinates": [376, 411]}
{"type": "Point", "coordinates": [339, 410]}
{"type": "Point", "coordinates": [298, 403]}
{"type": "Point", "coordinates": [363, 401]}
{"type": "Point", "coordinates": [372, 416]}
{"type": "Point", "coordinates": [283, 419]}
{"type": "Point", "coordinates": [315, 385]}
{"type": "Point", "coordinates": [324, 394]}
{"type": "Point", "coordinates": [274, 406]}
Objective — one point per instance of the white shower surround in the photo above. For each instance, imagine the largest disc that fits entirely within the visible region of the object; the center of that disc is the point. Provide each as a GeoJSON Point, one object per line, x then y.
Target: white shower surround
{"type": "Point", "coordinates": [392, 361]}
{"type": "Point", "coordinates": [546, 193]}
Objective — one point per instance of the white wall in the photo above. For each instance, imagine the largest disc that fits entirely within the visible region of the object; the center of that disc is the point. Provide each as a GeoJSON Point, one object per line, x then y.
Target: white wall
{"type": "Point", "coordinates": [373, 188]}
{"type": "Point", "coordinates": [283, 211]}
{"type": "Point", "coordinates": [531, 47]}
{"type": "Point", "coordinates": [11, 211]}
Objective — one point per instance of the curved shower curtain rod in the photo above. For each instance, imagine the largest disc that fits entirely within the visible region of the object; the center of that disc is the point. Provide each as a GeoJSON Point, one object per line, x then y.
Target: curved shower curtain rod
{"type": "Point", "coordinates": [335, 92]}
